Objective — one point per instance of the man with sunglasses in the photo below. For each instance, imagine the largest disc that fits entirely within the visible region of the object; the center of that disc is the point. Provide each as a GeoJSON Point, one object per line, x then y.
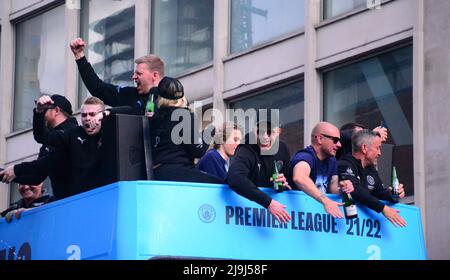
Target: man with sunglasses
{"type": "Point", "coordinates": [56, 113]}
{"type": "Point", "coordinates": [148, 73]}
{"type": "Point", "coordinates": [83, 143]}
{"type": "Point", "coordinates": [314, 168]}
{"type": "Point", "coordinates": [253, 166]}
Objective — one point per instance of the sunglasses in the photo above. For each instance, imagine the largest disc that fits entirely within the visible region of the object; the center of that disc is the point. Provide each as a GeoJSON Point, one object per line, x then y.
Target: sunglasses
{"type": "Point", "coordinates": [334, 139]}
{"type": "Point", "coordinates": [90, 114]}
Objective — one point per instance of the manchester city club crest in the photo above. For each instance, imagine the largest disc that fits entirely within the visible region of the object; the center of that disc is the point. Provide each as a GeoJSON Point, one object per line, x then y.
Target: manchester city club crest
{"type": "Point", "coordinates": [370, 180]}
{"type": "Point", "coordinates": [206, 213]}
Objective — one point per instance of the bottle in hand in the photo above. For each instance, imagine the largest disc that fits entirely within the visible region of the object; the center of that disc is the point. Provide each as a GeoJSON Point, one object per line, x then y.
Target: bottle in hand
{"type": "Point", "coordinates": [395, 183]}
{"type": "Point", "coordinates": [150, 106]}
{"type": "Point", "coordinates": [350, 210]}
{"type": "Point", "coordinates": [278, 186]}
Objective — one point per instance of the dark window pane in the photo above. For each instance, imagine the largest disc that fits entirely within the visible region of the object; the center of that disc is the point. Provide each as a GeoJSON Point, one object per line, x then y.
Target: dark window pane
{"type": "Point", "coordinates": [372, 90]}
{"type": "Point", "coordinates": [289, 100]}
{"type": "Point", "coordinates": [109, 35]}
{"type": "Point", "coordinates": [40, 49]}
{"type": "Point", "coordinates": [254, 22]}
{"type": "Point", "coordinates": [182, 33]}
{"type": "Point", "coordinates": [332, 8]}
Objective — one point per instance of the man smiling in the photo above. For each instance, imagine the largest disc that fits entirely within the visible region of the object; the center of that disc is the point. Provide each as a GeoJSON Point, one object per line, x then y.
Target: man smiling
{"type": "Point", "coordinates": [32, 196]}
{"type": "Point", "coordinates": [253, 166]}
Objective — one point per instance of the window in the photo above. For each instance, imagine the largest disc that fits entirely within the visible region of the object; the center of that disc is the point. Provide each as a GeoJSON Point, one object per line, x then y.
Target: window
{"type": "Point", "coordinates": [108, 30]}
{"type": "Point", "coordinates": [332, 8]}
{"type": "Point", "coordinates": [40, 48]}
{"type": "Point", "coordinates": [372, 90]}
{"type": "Point", "coordinates": [255, 22]}
{"type": "Point", "coordinates": [182, 33]}
{"type": "Point", "coordinates": [289, 100]}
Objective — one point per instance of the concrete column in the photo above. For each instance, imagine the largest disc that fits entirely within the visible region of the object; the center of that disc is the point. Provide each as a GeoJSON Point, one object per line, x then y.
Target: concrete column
{"type": "Point", "coordinates": [434, 87]}
{"type": "Point", "coordinates": [313, 94]}
{"type": "Point", "coordinates": [418, 109]}
{"type": "Point", "coordinates": [142, 28]}
{"type": "Point", "coordinates": [72, 31]}
{"type": "Point", "coordinates": [220, 49]}
{"type": "Point", "coordinates": [6, 90]}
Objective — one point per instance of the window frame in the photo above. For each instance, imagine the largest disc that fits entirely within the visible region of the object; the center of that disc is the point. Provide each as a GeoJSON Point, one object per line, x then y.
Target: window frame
{"type": "Point", "coordinates": [15, 20]}
{"type": "Point", "coordinates": [409, 199]}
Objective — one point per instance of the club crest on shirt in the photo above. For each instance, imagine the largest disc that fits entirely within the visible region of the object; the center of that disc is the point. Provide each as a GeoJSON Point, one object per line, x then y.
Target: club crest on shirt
{"type": "Point", "coordinates": [370, 180]}
{"type": "Point", "coordinates": [349, 172]}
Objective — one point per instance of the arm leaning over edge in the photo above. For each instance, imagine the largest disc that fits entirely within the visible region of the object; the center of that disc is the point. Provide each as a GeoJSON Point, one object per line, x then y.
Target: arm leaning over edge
{"type": "Point", "coordinates": [302, 180]}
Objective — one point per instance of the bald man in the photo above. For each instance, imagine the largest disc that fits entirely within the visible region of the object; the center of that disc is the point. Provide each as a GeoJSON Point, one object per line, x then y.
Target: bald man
{"type": "Point", "coordinates": [315, 169]}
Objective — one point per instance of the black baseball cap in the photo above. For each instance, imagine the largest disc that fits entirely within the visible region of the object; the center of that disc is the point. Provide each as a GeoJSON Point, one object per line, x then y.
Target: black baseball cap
{"type": "Point", "coordinates": [267, 119]}
{"type": "Point", "coordinates": [170, 88]}
{"type": "Point", "coordinates": [62, 102]}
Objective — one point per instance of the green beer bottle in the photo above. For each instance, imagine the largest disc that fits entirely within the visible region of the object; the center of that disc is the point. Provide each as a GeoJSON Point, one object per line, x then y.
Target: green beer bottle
{"type": "Point", "coordinates": [350, 210]}
{"type": "Point", "coordinates": [150, 106]}
{"type": "Point", "coordinates": [277, 186]}
{"type": "Point", "coordinates": [394, 184]}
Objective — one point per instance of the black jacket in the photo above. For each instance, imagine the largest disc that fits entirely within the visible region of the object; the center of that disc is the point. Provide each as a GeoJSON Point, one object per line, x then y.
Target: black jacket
{"type": "Point", "coordinates": [346, 142]}
{"type": "Point", "coordinates": [368, 186]}
{"type": "Point", "coordinates": [164, 149]}
{"type": "Point", "coordinates": [85, 153]}
{"type": "Point", "coordinates": [21, 204]}
{"type": "Point", "coordinates": [250, 170]}
{"type": "Point", "coordinates": [52, 162]}
{"type": "Point", "coordinates": [113, 95]}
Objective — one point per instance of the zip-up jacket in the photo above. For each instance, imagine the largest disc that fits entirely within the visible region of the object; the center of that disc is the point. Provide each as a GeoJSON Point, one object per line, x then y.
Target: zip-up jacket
{"type": "Point", "coordinates": [250, 170]}
{"type": "Point", "coordinates": [52, 162]}
{"type": "Point", "coordinates": [369, 188]}
{"type": "Point", "coordinates": [113, 95]}
{"type": "Point", "coordinates": [21, 204]}
{"type": "Point", "coordinates": [85, 153]}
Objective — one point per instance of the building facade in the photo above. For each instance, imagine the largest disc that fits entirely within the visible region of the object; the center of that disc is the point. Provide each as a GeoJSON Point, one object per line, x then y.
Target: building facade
{"type": "Point", "coordinates": [341, 61]}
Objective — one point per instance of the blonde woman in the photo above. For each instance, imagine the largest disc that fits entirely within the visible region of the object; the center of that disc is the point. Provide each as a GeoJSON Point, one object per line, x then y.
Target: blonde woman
{"type": "Point", "coordinates": [217, 160]}
{"type": "Point", "coordinates": [175, 143]}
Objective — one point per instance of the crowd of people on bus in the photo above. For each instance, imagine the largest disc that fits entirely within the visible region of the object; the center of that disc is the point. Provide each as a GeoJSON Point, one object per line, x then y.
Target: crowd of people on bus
{"type": "Point", "coordinates": [337, 160]}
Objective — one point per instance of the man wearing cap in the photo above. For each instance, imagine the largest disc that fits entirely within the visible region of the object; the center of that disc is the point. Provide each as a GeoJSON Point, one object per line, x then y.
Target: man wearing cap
{"type": "Point", "coordinates": [83, 143]}
{"type": "Point", "coordinates": [175, 143]}
{"type": "Point", "coordinates": [314, 168]}
{"type": "Point", "coordinates": [147, 74]}
{"type": "Point", "coordinates": [253, 166]}
{"type": "Point", "coordinates": [56, 112]}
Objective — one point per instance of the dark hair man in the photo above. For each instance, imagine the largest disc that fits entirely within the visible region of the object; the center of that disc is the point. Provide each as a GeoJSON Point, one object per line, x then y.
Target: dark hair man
{"type": "Point", "coordinates": [253, 166]}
